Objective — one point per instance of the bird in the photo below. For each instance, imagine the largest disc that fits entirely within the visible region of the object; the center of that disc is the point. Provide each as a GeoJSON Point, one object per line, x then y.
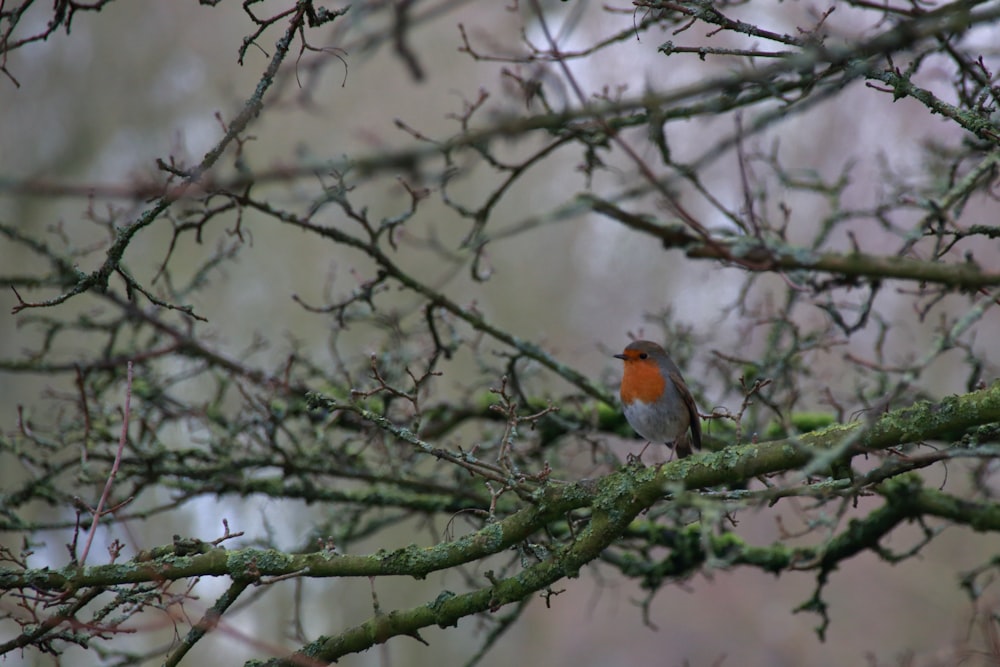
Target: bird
{"type": "Point", "coordinates": [657, 402]}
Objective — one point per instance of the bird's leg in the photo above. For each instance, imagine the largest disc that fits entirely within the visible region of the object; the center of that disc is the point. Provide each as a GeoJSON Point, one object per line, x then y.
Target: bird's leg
{"type": "Point", "coordinates": [632, 458]}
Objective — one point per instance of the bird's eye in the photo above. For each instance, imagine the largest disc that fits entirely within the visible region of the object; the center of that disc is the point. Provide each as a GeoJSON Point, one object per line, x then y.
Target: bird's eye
{"type": "Point", "coordinates": [643, 355]}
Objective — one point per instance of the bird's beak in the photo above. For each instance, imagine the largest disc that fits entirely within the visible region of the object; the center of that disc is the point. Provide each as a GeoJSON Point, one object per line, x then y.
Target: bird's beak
{"type": "Point", "coordinates": [619, 356]}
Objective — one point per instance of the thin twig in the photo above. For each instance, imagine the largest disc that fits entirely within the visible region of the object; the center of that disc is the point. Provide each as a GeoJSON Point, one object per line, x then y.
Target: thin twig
{"type": "Point", "coordinates": [114, 468]}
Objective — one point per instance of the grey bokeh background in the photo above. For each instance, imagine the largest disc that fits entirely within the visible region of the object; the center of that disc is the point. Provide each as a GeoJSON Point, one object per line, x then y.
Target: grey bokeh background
{"type": "Point", "coordinates": [143, 80]}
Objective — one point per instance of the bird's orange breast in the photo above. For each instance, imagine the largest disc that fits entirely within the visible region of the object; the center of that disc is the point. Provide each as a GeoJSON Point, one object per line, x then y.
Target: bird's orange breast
{"type": "Point", "coordinates": [642, 381]}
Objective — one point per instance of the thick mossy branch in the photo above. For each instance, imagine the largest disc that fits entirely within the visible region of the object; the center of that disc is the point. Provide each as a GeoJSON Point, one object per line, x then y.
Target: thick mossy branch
{"type": "Point", "coordinates": [757, 255]}
{"type": "Point", "coordinates": [859, 266]}
{"type": "Point", "coordinates": [617, 500]}
{"type": "Point", "coordinates": [922, 421]}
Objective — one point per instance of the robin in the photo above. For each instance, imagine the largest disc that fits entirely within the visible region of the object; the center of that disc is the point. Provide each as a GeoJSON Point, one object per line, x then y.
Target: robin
{"type": "Point", "coordinates": [657, 402]}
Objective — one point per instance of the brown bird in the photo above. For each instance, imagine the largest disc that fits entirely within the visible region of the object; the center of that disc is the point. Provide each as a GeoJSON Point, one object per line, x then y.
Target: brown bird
{"type": "Point", "coordinates": [657, 402]}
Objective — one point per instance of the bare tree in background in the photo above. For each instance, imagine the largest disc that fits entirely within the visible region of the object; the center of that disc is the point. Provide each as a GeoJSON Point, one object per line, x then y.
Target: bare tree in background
{"type": "Point", "coordinates": [145, 411]}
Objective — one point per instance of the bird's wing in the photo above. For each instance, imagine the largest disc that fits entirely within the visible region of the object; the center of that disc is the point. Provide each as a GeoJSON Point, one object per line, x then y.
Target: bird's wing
{"type": "Point", "coordinates": [692, 409]}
